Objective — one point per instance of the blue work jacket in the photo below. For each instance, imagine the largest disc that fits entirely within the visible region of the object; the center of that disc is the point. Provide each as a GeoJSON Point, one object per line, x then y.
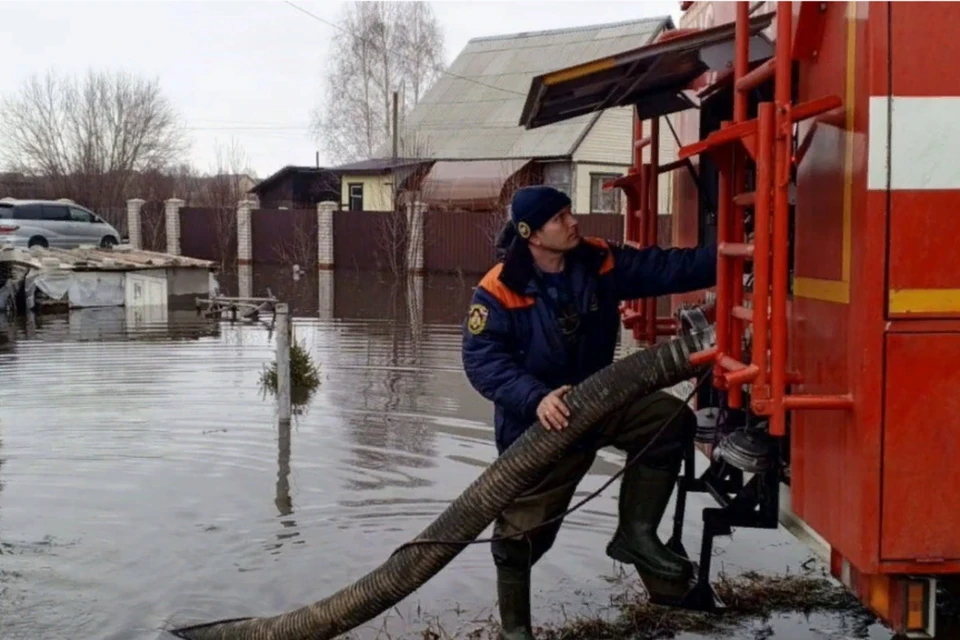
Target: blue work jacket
{"type": "Point", "coordinates": [513, 349]}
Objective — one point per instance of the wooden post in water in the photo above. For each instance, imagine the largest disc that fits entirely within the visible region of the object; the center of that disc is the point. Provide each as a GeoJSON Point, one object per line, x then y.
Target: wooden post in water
{"type": "Point", "coordinates": [283, 360]}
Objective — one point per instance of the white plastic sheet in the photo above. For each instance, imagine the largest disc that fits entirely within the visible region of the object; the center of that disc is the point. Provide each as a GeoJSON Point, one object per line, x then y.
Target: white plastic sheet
{"type": "Point", "coordinates": [78, 288]}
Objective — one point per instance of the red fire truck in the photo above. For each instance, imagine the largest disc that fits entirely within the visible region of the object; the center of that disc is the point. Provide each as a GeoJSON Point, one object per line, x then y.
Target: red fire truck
{"type": "Point", "coordinates": [815, 147]}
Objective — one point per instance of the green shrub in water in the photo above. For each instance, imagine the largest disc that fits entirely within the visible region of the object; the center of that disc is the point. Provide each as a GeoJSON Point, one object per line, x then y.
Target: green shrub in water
{"type": "Point", "coordinates": [304, 375]}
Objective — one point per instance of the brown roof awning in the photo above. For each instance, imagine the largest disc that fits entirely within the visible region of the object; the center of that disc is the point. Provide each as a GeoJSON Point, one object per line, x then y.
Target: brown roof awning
{"type": "Point", "coordinates": [468, 183]}
{"type": "Point", "coordinates": [652, 77]}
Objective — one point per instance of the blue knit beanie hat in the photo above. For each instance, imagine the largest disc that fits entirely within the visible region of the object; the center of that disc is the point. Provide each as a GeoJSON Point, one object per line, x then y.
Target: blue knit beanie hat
{"type": "Point", "coordinates": [533, 206]}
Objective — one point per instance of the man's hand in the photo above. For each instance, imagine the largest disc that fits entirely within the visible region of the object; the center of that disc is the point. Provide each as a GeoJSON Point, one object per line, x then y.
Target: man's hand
{"type": "Point", "coordinates": [552, 412]}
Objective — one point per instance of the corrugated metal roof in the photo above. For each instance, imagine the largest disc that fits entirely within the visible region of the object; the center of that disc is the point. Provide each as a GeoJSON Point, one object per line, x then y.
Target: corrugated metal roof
{"type": "Point", "coordinates": [476, 116]}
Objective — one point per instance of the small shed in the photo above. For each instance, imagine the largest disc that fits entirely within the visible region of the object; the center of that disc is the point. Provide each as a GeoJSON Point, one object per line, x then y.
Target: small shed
{"type": "Point", "coordinates": [294, 187]}
{"type": "Point", "coordinates": [377, 184]}
{"type": "Point", "coordinates": [92, 277]}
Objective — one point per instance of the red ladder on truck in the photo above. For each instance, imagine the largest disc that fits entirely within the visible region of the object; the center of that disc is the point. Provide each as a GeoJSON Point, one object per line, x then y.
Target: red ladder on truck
{"type": "Point", "coordinates": [766, 140]}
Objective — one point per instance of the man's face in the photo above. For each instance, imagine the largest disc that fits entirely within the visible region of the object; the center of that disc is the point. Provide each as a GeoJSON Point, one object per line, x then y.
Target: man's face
{"type": "Point", "coordinates": [560, 233]}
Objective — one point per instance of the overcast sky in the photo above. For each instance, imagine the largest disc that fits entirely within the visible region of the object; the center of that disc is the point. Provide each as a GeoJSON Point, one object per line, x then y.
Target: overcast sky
{"type": "Point", "coordinates": [246, 70]}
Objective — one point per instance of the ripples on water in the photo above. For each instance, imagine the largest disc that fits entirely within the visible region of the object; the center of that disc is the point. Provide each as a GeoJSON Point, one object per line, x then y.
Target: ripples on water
{"type": "Point", "coordinates": [144, 480]}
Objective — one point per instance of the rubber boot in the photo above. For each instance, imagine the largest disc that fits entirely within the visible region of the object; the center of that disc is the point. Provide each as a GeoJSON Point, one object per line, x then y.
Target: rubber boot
{"type": "Point", "coordinates": [644, 495]}
{"type": "Point", "coordinates": [513, 594]}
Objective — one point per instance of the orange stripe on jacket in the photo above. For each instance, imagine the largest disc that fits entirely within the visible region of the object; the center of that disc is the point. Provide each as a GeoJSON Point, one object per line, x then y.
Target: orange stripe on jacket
{"type": "Point", "coordinates": [600, 243]}
{"type": "Point", "coordinates": [503, 294]}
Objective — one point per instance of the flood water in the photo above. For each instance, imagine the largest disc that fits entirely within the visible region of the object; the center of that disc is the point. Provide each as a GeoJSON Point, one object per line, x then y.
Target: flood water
{"type": "Point", "coordinates": [144, 481]}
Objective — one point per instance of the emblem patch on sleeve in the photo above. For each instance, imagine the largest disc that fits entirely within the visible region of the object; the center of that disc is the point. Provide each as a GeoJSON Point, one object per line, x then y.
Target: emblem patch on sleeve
{"type": "Point", "coordinates": [477, 318]}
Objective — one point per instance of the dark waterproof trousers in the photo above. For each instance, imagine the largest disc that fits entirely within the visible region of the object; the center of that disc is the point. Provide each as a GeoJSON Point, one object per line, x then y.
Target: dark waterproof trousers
{"type": "Point", "coordinates": [629, 429]}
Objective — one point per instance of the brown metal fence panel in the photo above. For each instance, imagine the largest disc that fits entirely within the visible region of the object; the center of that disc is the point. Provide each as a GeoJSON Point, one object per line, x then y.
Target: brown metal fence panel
{"type": "Point", "coordinates": [370, 240]}
{"type": "Point", "coordinates": [460, 241]}
{"type": "Point", "coordinates": [608, 226]}
{"type": "Point", "coordinates": [284, 236]}
{"type": "Point", "coordinates": [463, 241]}
{"type": "Point", "coordinates": [209, 233]}
{"type": "Point", "coordinates": [153, 227]}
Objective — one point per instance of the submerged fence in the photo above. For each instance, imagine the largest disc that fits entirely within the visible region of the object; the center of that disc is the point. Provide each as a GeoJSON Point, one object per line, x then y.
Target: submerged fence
{"type": "Point", "coordinates": [417, 240]}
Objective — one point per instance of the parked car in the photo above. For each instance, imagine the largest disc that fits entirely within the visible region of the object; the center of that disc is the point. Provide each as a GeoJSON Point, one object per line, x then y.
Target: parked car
{"type": "Point", "coordinates": [51, 223]}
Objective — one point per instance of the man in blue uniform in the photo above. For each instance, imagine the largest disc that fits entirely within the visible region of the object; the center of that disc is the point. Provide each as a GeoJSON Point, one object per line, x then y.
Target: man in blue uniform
{"type": "Point", "coordinates": [543, 319]}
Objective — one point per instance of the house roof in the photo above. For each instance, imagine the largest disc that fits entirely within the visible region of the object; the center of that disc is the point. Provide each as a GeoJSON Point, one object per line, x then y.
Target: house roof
{"type": "Point", "coordinates": [473, 109]}
{"type": "Point", "coordinates": [378, 165]}
{"type": "Point", "coordinates": [270, 181]}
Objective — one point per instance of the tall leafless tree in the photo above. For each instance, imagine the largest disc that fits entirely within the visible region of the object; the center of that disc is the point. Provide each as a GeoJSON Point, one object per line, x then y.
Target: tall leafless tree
{"type": "Point", "coordinates": [381, 47]}
{"type": "Point", "coordinates": [406, 187]}
{"type": "Point", "coordinates": [223, 189]}
{"type": "Point", "coordinates": [88, 136]}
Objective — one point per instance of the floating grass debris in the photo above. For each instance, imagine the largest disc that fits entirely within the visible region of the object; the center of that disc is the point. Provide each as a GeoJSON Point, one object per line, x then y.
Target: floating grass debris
{"type": "Point", "coordinates": [304, 374]}
{"type": "Point", "coordinates": [749, 596]}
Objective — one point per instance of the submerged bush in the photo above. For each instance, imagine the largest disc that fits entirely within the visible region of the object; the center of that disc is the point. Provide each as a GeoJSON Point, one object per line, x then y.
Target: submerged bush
{"type": "Point", "coordinates": [304, 374]}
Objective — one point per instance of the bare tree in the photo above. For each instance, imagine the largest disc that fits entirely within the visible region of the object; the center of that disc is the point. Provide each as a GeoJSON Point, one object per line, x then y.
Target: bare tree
{"type": "Point", "coordinates": [226, 184]}
{"type": "Point", "coordinates": [299, 248]}
{"type": "Point", "coordinates": [223, 189]}
{"type": "Point", "coordinates": [392, 232]}
{"type": "Point", "coordinates": [381, 47]}
{"type": "Point", "coordinates": [87, 137]}
{"type": "Point", "coordinates": [392, 239]}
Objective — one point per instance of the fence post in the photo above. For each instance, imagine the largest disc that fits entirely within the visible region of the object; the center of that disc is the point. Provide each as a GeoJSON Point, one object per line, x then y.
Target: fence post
{"type": "Point", "coordinates": [172, 213]}
{"type": "Point", "coordinates": [283, 360]}
{"type": "Point", "coordinates": [415, 214]}
{"type": "Point", "coordinates": [325, 249]}
{"type": "Point", "coordinates": [244, 237]}
{"type": "Point", "coordinates": [245, 280]}
{"type": "Point", "coordinates": [415, 313]}
{"type": "Point", "coordinates": [325, 294]}
{"type": "Point", "coordinates": [134, 205]}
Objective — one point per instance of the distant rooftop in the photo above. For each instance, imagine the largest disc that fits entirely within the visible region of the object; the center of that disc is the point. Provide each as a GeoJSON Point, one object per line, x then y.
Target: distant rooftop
{"type": "Point", "coordinates": [282, 173]}
{"type": "Point", "coordinates": [564, 30]}
{"type": "Point", "coordinates": [377, 165]}
{"type": "Point", "coordinates": [473, 110]}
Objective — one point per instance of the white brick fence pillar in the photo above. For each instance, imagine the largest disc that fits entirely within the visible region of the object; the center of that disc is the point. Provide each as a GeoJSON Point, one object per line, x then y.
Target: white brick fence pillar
{"type": "Point", "coordinates": [134, 236]}
{"type": "Point", "coordinates": [325, 252]}
{"type": "Point", "coordinates": [245, 280]}
{"type": "Point", "coordinates": [244, 237]}
{"type": "Point", "coordinates": [415, 214]}
{"type": "Point", "coordinates": [172, 214]}
{"type": "Point", "coordinates": [325, 294]}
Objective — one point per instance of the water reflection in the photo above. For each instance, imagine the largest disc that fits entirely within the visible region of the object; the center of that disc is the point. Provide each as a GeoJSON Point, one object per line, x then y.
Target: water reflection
{"type": "Point", "coordinates": [349, 294]}
{"type": "Point", "coordinates": [283, 499]}
{"type": "Point", "coordinates": [112, 324]}
{"type": "Point", "coordinates": [390, 434]}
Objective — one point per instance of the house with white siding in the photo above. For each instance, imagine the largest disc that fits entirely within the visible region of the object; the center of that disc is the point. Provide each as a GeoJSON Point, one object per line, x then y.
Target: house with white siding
{"type": "Point", "coordinates": [468, 124]}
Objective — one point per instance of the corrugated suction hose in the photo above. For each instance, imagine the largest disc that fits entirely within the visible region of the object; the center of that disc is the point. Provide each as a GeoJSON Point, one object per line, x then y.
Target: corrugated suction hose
{"type": "Point", "coordinates": [519, 468]}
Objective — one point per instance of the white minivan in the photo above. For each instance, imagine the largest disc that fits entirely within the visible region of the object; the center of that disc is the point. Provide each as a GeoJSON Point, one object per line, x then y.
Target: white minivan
{"type": "Point", "coordinates": [51, 223]}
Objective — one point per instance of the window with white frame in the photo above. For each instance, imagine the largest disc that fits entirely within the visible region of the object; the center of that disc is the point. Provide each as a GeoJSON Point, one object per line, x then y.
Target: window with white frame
{"type": "Point", "coordinates": [604, 200]}
{"type": "Point", "coordinates": [558, 175]}
{"type": "Point", "coordinates": [356, 196]}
